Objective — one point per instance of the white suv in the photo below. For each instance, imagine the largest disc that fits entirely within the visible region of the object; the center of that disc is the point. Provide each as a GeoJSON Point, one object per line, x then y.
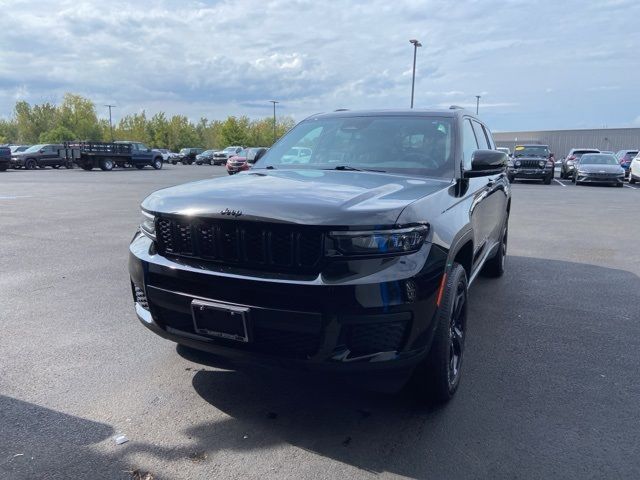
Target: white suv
{"type": "Point", "coordinates": [634, 169]}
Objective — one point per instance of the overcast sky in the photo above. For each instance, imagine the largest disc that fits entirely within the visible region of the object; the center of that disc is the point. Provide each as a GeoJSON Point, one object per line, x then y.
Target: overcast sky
{"type": "Point", "coordinates": [537, 65]}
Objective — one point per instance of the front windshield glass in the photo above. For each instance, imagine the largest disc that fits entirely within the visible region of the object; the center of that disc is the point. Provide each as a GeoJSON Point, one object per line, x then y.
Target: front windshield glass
{"type": "Point", "coordinates": [409, 145]}
{"type": "Point", "coordinates": [35, 148]}
{"type": "Point", "coordinates": [230, 149]}
{"type": "Point", "coordinates": [531, 151]}
{"type": "Point", "coordinates": [589, 159]}
{"type": "Point", "coordinates": [184, 150]}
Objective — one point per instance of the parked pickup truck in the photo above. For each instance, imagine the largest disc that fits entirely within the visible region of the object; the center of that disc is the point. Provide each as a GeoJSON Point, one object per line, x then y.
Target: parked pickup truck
{"type": "Point", "coordinates": [5, 158]}
{"type": "Point", "coordinates": [356, 262]}
{"type": "Point", "coordinates": [104, 155]}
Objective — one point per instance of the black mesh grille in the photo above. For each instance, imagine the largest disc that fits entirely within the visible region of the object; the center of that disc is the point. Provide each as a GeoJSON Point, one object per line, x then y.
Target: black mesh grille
{"type": "Point", "coordinates": [255, 245]}
{"type": "Point", "coordinates": [140, 297]}
{"type": "Point", "coordinates": [371, 338]}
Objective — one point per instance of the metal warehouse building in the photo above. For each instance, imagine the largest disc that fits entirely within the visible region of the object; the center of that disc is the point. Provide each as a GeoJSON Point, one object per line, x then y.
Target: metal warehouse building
{"type": "Point", "coordinates": [561, 141]}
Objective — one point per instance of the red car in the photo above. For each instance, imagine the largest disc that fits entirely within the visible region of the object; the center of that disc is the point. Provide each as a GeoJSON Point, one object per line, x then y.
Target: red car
{"type": "Point", "coordinates": [244, 160]}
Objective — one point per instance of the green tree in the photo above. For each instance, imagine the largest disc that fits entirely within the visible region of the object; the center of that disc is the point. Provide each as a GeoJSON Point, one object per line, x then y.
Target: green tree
{"type": "Point", "coordinates": [78, 115]}
{"type": "Point", "coordinates": [57, 135]}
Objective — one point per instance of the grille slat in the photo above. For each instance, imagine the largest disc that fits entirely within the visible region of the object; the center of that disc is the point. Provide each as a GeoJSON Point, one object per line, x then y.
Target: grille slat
{"type": "Point", "coordinates": [530, 164]}
{"type": "Point", "coordinates": [254, 245]}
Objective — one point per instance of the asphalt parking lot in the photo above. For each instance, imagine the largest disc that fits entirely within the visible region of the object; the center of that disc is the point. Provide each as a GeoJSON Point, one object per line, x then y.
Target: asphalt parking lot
{"type": "Point", "coordinates": [550, 387]}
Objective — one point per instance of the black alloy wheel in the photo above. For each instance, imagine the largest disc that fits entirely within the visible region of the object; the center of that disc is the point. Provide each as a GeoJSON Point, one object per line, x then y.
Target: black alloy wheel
{"type": "Point", "coordinates": [30, 164]}
{"type": "Point", "coordinates": [437, 378]}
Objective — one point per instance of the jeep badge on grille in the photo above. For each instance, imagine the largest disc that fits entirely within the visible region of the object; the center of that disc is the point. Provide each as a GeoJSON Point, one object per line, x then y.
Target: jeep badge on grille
{"type": "Point", "coordinates": [232, 213]}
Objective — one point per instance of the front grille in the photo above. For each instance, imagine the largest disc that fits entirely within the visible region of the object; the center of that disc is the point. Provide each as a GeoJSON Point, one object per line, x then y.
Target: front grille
{"type": "Point", "coordinates": [369, 338]}
{"type": "Point", "coordinates": [602, 175]}
{"type": "Point", "coordinates": [529, 164]}
{"type": "Point", "coordinates": [254, 245]}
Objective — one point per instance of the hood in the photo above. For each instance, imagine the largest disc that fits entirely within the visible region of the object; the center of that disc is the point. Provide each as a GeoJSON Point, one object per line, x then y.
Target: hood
{"type": "Point", "coordinates": [310, 197]}
{"type": "Point", "coordinates": [593, 168]}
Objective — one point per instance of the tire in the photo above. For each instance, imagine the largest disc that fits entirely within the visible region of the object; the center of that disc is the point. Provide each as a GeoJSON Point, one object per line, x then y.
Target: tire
{"type": "Point", "coordinates": [494, 267]}
{"type": "Point", "coordinates": [174, 163]}
{"type": "Point", "coordinates": [30, 164]}
{"type": "Point", "coordinates": [3, 168]}
{"type": "Point", "coordinates": [631, 180]}
{"type": "Point", "coordinates": [619, 185]}
{"type": "Point", "coordinates": [55, 166]}
{"type": "Point", "coordinates": [157, 163]}
{"type": "Point", "coordinates": [437, 378]}
{"type": "Point", "coordinates": [86, 166]}
{"type": "Point", "coordinates": [562, 175]}
{"type": "Point", "coordinates": [68, 165]}
{"type": "Point", "coordinates": [140, 166]}
{"type": "Point", "coordinates": [106, 165]}
{"type": "Point", "coordinates": [547, 181]}
{"type": "Point", "coordinates": [511, 178]}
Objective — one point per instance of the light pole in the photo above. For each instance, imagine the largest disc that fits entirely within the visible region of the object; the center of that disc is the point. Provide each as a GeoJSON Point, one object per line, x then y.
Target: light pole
{"type": "Point", "coordinates": [416, 44]}
{"type": "Point", "coordinates": [110, 125]}
{"type": "Point", "coordinates": [477, 104]}
{"type": "Point", "coordinates": [274, 119]}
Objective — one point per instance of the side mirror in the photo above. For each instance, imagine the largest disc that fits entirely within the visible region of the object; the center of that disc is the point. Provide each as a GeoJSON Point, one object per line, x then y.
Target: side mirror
{"type": "Point", "coordinates": [259, 155]}
{"type": "Point", "coordinates": [487, 162]}
{"type": "Point", "coordinates": [41, 150]}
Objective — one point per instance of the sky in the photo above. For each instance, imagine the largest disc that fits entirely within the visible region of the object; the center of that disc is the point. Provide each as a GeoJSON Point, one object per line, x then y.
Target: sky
{"type": "Point", "coordinates": [546, 64]}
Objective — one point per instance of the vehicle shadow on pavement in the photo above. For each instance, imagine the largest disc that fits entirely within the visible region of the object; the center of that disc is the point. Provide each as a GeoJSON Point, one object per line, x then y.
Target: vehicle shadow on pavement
{"type": "Point", "coordinates": [37, 442]}
{"type": "Point", "coordinates": [550, 387]}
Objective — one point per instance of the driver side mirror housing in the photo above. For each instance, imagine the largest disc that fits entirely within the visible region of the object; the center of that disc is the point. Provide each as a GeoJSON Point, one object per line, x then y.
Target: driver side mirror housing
{"type": "Point", "coordinates": [258, 156]}
{"type": "Point", "coordinates": [486, 162]}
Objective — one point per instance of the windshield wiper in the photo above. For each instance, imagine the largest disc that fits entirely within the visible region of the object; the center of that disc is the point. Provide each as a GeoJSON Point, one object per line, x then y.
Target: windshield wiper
{"type": "Point", "coordinates": [353, 169]}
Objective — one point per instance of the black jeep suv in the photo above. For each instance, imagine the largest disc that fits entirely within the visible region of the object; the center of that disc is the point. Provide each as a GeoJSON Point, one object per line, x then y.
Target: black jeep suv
{"type": "Point", "coordinates": [532, 162]}
{"type": "Point", "coordinates": [356, 260]}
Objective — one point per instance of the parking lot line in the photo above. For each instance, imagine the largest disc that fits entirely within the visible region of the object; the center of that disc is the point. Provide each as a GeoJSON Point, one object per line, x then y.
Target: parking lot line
{"type": "Point", "coordinates": [558, 181]}
{"type": "Point", "coordinates": [629, 186]}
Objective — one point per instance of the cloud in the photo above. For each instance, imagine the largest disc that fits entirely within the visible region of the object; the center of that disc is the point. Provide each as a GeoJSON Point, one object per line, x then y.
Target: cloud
{"type": "Point", "coordinates": [216, 58]}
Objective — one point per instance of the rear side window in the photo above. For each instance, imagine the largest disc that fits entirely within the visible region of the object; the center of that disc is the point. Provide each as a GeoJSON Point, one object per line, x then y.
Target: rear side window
{"type": "Point", "coordinates": [483, 143]}
{"type": "Point", "coordinates": [469, 143]}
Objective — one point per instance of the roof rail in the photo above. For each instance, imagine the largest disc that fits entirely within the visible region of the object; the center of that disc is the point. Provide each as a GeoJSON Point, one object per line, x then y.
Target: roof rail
{"type": "Point", "coordinates": [341, 110]}
{"type": "Point", "coordinates": [456, 107]}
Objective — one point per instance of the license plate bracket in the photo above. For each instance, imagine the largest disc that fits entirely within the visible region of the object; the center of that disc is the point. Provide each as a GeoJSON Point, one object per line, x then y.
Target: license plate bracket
{"type": "Point", "coordinates": [220, 320]}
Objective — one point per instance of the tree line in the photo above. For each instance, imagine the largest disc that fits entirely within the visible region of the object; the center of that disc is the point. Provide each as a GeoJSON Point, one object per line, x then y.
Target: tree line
{"type": "Point", "coordinates": [75, 118]}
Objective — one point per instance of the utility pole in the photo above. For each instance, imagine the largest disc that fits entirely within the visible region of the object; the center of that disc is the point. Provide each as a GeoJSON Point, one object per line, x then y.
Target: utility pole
{"type": "Point", "coordinates": [416, 44]}
{"type": "Point", "coordinates": [274, 119]}
{"type": "Point", "coordinates": [477, 104]}
{"type": "Point", "coordinates": [110, 125]}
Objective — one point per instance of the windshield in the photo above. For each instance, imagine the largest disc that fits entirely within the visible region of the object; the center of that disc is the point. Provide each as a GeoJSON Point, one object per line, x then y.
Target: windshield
{"type": "Point", "coordinates": [230, 149]}
{"type": "Point", "coordinates": [184, 150]}
{"type": "Point", "coordinates": [410, 145]}
{"type": "Point", "coordinates": [531, 151]}
{"type": "Point", "coordinates": [591, 159]}
{"type": "Point", "coordinates": [35, 148]}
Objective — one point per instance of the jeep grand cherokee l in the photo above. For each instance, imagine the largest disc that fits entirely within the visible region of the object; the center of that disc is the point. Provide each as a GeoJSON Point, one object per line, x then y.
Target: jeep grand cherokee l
{"type": "Point", "coordinates": [356, 261]}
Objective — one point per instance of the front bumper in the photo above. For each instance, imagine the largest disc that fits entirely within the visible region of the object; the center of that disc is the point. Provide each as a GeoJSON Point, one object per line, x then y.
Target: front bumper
{"type": "Point", "coordinates": [17, 162]}
{"type": "Point", "coordinates": [595, 178]}
{"type": "Point", "coordinates": [533, 173]}
{"type": "Point", "coordinates": [312, 323]}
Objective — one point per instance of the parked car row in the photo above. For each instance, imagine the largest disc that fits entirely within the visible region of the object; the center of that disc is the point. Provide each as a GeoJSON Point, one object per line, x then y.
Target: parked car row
{"type": "Point", "coordinates": [537, 162]}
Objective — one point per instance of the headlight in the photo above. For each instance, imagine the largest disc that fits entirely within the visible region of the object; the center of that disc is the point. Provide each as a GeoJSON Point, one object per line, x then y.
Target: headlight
{"type": "Point", "coordinates": [542, 164]}
{"type": "Point", "coordinates": [582, 172]}
{"type": "Point", "coordinates": [518, 163]}
{"type": "Point", "coordinates": [383, 242]}
{"type": "Point", "coordinates": [569, 162]}
{"type": "Point", "coordinates": [148, 225]}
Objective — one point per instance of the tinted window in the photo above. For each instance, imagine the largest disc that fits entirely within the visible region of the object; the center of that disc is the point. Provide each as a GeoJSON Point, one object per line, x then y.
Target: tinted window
{"type": "Point", "coordinates": [591, 159]}
{"type": "Point", "coordinates": [483, 143]}
{"type": "Point", "coordinates": [538, 151]}
{"type": "Point", "coordinates": [492, 144]}
{"type": "Point", "coordinates": [411, 144]}
{"type": "Point", "coordinates": [469, 144]}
